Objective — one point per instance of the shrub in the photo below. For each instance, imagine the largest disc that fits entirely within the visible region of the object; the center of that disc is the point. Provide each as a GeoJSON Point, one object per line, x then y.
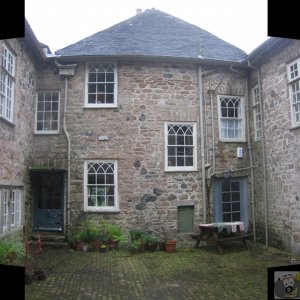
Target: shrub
{"type": "Point", "coordinates": [11, 252]}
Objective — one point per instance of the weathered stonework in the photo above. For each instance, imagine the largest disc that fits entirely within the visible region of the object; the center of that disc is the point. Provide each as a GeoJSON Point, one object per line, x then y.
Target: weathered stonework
{"type": "Point", "coordinates": [16, 138]}
{"type": "Point", "coordinates": [281, 152]}
{"type": "Point", "coordinates": [149, 94]}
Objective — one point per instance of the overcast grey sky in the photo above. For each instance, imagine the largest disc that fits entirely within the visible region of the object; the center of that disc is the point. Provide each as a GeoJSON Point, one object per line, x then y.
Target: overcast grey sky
{"type": "Point", "coordinates": [60, 23]}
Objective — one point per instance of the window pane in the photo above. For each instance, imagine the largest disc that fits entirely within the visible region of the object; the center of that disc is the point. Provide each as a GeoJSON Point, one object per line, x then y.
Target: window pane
{"type": "Point", "coordinates": [226, 207]}
{"type": "Point", "coordinates": [110, 98]}
{"type": "Point", "coordinates": [227, 217]}
{"type": "Point", "coordinates": [189, 161]}
{"type": "Point", "coordinates": [180, 151]}
{"type": "Point", "coordinates": [235, 196]}
{"type": "Point", "coordinates": [109, 88]}
{"type": "Point", "coordinates": [110, 179]}
{"type": "Point", "coordinates": [235, 186]}
{"type": "Point", "coordinates": [225, 186]}
{"type": "Point", "coordinates": [110, 77]}
{"type": "Point", "coordinates": [92, 77]}
{"type": "Point", "coordinates": [171, 151]}
{"type": "Point", "coordinates": [226, 197]}
{"type": "Point", "coordinates": [236, 206]}
{"type": "Point", "coordinates": [101, 201]}
{"type": "Point", "coordinates": [189, 151]}
{"type": "Point", "coordinates": [91, 201]}
{"type": "Point", "coordinates": [111, 201]}
{"type": "Point", "coordinates": [180, 140]}
{"type": "Point", "coordinates": [171, 140]}
{"type": "Point", "coordinates": [180, 161]}
{"type": "Point", "coordinates": [171, 162]}
{"type": "Point", "coordinates": [110, 191]}
{"type": "Point", "coordinates": [92, 98]}
{"type": "Point", "coordinates": [188, 140]}
{"type": "Point", "coordinates": [100, 179]}
{"type": "Point", "coordinates": [101, 77]}
{"type": "Point", "coordinates": [236, 217]}
{"type": "Point", "coordinates": [92, 88]}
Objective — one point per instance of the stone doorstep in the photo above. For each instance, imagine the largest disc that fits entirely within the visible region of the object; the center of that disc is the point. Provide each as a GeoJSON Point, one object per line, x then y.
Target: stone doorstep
{"type": "Point", "coordinates": [53, 239]}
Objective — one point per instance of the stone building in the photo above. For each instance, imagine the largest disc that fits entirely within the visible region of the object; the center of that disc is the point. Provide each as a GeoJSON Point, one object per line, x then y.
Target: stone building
{"type": "Point", "coordinates": [151, 124]}
{"type": "Point", "coordinates": [274, 96]}
{"type": "Point", "coordinates": [20, 59]}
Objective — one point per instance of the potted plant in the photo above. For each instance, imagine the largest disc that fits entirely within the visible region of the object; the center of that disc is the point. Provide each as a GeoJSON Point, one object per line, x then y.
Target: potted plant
{"type": "Point", "coordinates": [114, 235]}
{"type": "Point", "coordinates": [168, 245]}
{"type": "Point", "coordinates": [138, 237]}
{"type": "Point", "coordinates": [74, 240]}
{"type": "Point", "coordinates": [134, 246]}
{"type": "Point", "coordinates": [88, 234]}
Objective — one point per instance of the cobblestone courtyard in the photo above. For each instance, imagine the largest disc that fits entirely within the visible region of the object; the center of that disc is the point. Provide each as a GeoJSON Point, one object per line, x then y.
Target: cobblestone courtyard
{"type": "Point", "coordinates": [186, 274]}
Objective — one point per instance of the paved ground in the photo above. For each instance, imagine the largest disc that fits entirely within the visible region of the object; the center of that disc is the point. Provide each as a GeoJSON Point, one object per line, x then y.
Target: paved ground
{"type": "Point", "coordinates": [186, 274]}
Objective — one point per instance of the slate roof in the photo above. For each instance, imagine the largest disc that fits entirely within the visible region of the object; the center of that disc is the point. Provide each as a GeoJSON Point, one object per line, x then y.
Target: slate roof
{"type": "Point", "coordinates": [154, 33]}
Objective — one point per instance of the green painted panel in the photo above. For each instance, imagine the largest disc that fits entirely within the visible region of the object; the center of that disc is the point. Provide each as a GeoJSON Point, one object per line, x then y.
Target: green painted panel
{"type": "Point", "coordinates": [185, 218]}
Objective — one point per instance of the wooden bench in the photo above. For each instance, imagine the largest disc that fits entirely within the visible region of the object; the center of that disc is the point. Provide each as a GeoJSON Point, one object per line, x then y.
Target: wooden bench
{"type": "Point", "coordinates": [212, 238]}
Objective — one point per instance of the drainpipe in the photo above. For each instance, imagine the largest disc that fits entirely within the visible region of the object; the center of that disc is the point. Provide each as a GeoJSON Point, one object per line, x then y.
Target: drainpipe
{"type": "Point", "coordinates": [251, 164]}
{"type": "Point", "coordinates": [263, 155]}
{"type": "Point", "coordinates": [250, 152]}
{"type": "Point", "coordinates": [202, 143]}
{"type": "Point", "coordinates": [67, 71]}
{"type": "Point", "coordinates": [69, 153]}
{"type": "Point", "coordinates": [212, 130]}
{"type": "Point", "coordinates": [211, 93]}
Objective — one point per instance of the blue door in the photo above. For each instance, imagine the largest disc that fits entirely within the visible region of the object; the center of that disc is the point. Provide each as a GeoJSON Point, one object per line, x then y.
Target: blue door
{"type": "Point", "coordinates": [48, 195]}
{"type": "Point", "coordinates": [231, 200]}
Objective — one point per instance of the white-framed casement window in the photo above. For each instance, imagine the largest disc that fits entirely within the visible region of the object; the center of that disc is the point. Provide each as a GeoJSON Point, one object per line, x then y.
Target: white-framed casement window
{"type": "Point", "coordinates": [47, 112]}
{"type": "Point", "coordinates": [101, 85]}
{"type": "Point", "coordinates": [180, 146]}
{"type": "Point", "coordinates": [11, 210]}
{"type": "Point", "coordinates": [293, 70]}
{"type": "Point", "coordinates": [231, 119]}
{"type": "Point", "coordinates": [101, 186]}
{"type": "Point", "coordinates": [256, 111]}
{"type": "Point", "coordinates": [7, 84]}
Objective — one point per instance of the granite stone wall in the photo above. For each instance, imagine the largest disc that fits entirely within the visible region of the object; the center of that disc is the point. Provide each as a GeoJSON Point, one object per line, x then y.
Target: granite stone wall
{"type": "Point", "coordinates": [16, 138]}
{"type": "Point", "coordinates": [149, 94]}
{"type": "Point", "coordinates": [282, 153]}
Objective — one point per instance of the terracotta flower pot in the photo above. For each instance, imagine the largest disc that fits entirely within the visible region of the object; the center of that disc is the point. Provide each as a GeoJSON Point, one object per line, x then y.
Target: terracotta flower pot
{"type": "Point", "coordinates": [170, 246]}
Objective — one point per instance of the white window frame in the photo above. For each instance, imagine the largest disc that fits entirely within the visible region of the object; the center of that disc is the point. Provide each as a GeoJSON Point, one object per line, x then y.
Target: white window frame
{"type": "Point", "coordinates": [45, 111]}
{"type": "Point", "coordinates": [240, 118]}
{"type": "Point", "coordinates": [4, 209]}
{"type": "Point", "coordinates": [11, 209]}
{"type": "Point", "coordinates": [7, 84]}
{"type": "Point", "coordinates": [293, 71]}
{"type": "Point", "coordinates": [19, 208]}
{"type": "Point", "coordinates": [114, 208]}
{"type": "Point", "coordinates": [115, 87]}
{"type": "Point", "coordinates": [256, 107]}
{"type": "Point", "coordinates": [181, 168]}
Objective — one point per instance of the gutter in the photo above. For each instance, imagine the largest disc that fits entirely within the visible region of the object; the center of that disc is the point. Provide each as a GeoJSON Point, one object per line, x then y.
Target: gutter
{"type": "Point", "coordinates": [202, 143]}
{"type": "Point", "coordinates": [67, 71]}
{"type": "Point", "coordinates": [263, 146]}
{"type": "Point", "coordinates": [250, 151]}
